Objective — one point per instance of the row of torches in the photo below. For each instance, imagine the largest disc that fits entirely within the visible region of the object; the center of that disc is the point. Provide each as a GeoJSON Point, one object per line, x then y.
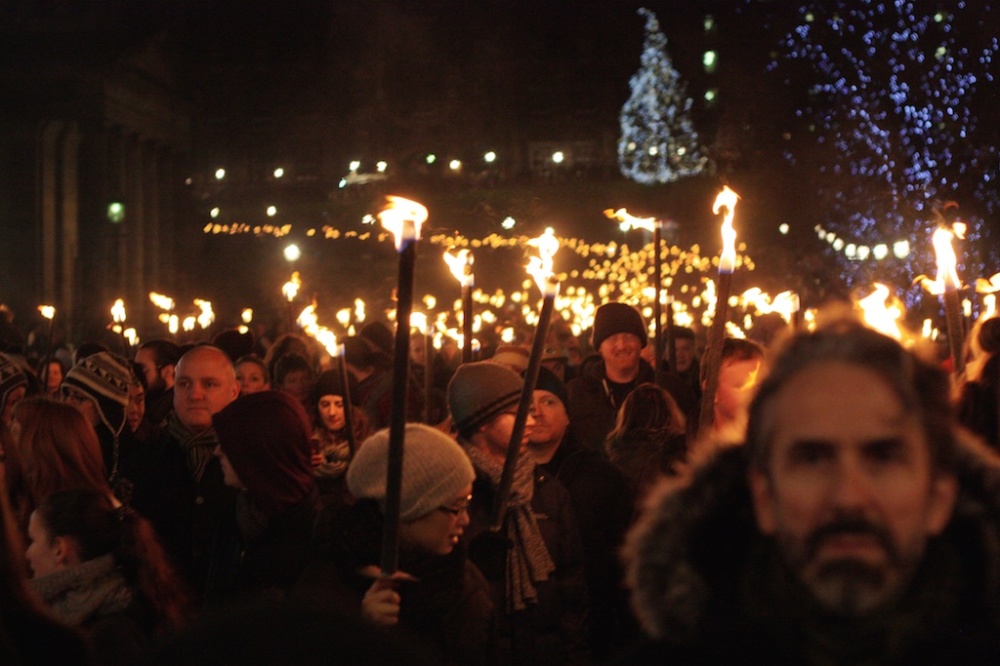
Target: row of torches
{"type": "Point", "coordinates": [403, 218]}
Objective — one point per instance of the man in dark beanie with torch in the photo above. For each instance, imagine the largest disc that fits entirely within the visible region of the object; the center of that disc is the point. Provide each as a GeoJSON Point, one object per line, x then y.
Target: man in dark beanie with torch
{"type": "Point", "coordinates": [534, 562]}
{"type": "Point", "coordinates": [594, 397]}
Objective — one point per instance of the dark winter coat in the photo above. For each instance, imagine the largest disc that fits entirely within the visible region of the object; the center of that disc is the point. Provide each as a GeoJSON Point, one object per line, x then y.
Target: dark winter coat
{"type": "Point", "coordinates": [593, 411]}
{"type": "Point", "coordinates": [185, 514]}
{"type": "Point", "coordinates": [712, 590]}
{"type": "Point", "coordinates": [603, 510]}
{"type": "Point", "coordinates": [447, 613]}
{"type": "Point", "coordinates": [554, 630]}
{"type": "Point", "coordinates": [266, 560]}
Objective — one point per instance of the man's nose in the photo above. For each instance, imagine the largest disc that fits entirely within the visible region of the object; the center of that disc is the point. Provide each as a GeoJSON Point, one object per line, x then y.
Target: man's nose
{"type": "Point", "coordinates": [851, 486]}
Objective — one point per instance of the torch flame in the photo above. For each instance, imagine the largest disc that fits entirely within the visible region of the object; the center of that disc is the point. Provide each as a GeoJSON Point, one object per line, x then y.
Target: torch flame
{"type": "Point", "coordinates": [132, 337]}
{"type": "Point", "coordinates": [947, 262]}
{"type": "Point", "coordinates": [402, 218]}
{"type": "Point", "coordinates": [188, 323]}
{"type": "Point", "coordinates": [461, 266]}
{"type": "Point", "coordinates": [291, 288]}
{"type": "Point", "coordinates": [310, 326]}
{"type": "Point", "coordinates": [785, 304]}
{"type": "Point", "coordinates": [247, 315]}
{"type": "Point", "coordinates": [540, 267]}
{"type": "Point", "coordinates": [727, 199]}
{"type": "Point", "coordinates": [172, 323]}
{"type": "Point", "coordinates": [161, 301]}
{"type": "Point", "coordinates": [206, 317]}
{"type": "Point", "coordinates": [631, 221]}
{"type": "Point", "coordinates": [118, 311]}
{"type": "Point", "coordinates": [48, 311]}
{"type": "Point", "coordinates": [879, 314]}
{"type": "Point", "coordinates": [988, 286]}
{"type": "Point", "coordinates": [418, 320]}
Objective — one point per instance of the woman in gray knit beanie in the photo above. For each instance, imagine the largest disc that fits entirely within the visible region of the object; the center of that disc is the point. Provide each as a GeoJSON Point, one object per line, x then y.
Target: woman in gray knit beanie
{"type": "Point", "coordinates": [441, 600]}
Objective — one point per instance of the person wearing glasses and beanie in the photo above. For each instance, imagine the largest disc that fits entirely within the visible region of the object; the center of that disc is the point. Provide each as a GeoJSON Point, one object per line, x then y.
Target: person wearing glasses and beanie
{"type": "Point", "coordinates": [437, 600]}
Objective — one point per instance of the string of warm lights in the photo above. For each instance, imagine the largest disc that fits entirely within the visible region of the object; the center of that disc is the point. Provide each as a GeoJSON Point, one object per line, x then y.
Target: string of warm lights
{"type": "Point", "coordinates": [857, 251]}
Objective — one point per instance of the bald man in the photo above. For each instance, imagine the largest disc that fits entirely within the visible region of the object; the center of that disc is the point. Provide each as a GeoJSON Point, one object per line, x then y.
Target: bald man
{"type": "Point", "coordinates": [178, 483]}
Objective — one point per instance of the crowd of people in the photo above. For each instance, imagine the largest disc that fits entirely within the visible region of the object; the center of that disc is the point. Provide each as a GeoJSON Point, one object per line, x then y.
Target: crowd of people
{"type": "Point", "coordinates": [226, 501]}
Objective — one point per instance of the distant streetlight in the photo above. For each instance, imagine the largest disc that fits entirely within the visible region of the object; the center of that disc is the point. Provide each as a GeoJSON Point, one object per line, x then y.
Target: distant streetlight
{"type": "Point", "coordinates": [490, 157]}
{"type": "Point", "coordinates": [215, 212]}
{"type": "Point", "coordinates": [381, 166]}
{"type": "Point", "coordinates": [558, 157]}
{"type": "Point", "coordinates": [116, 212]}
{"type": "Point", "coordinates": [431, 159]}
{"type": "Point", "coordinates": [455, 165]}
{"type": "Point", "coordinates": [355, 165]}
{"type": "Point", "coordinates": [292, 253]}
{"type": "Point", "coordinates": [279, 172]}
{"type": "Point", "coordinates": [272, 211]}
{"type": "Point", "coordinates": [508, 223]}
{"type": "Point", "coordinates": [220, 174]}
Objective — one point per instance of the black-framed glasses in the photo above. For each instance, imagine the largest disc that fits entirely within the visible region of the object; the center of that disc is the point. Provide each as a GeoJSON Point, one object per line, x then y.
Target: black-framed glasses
{"type": "Point", "coordinates": [457, 510]}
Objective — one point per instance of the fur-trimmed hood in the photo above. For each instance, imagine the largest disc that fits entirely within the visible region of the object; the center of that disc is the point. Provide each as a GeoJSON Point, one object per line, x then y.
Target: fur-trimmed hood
{"type": "Point", "coordinates": [686, 555]}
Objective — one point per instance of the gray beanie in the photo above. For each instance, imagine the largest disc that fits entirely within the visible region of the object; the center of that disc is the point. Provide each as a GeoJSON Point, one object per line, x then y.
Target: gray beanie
{"type": "Point", "coordinates": [435, 470]}
{"type": "Point", "coordinates": [613, 318]}
{"type": "Point", "coordinates": [479, 391]}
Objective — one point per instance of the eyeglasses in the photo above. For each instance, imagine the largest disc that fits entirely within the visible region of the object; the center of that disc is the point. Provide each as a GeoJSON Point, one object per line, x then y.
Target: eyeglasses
{"type": "Point", "coordinates": [457, 510]}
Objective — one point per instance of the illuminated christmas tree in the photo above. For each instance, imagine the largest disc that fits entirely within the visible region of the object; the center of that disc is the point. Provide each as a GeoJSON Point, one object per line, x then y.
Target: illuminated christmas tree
{"type": "Point", "coordinates": [895, 91]}
{"type": "Point", "coordinates": [658, 143]}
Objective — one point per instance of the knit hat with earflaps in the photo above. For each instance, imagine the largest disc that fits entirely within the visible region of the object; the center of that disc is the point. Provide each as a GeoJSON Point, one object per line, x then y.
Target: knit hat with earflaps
{"type": "Point", "coordinates": [103, 378]}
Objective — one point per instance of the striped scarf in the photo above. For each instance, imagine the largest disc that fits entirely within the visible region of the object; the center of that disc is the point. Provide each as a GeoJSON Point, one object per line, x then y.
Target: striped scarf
{"type": "Point", "coordinates": [528, 560]}
{"type": "Point", "coordinates": [199, 447]}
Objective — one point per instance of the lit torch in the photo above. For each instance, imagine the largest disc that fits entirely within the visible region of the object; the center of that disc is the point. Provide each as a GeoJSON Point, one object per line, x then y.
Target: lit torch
{"type": "Point", "coordinates": [166, 304]}
{"type": "Point", "coordinates": [881, 312]}
{"type": "Point", "coordinates": [49, 312]}
{"type": "Point", "coordinates": [947, 285]}
{"type": "Point", "coordinates": [727, 263]}
{"type": "Point", "coordinates": [418, 320]}
{"type": "Point", "coordinates": [207, 316]}
{"type": "Point", "coordinates": [118, 317]}
{"type": "Point", "coordinates": [403, 219]}
{"type": "Point", "coordinates": [290, 290]}
{"type": "Point", "coordinates": [461, 268]}
{"type": "Point", "coordinates": [540, 268]}
{"type": "Point", "coordinates": [654, 225]}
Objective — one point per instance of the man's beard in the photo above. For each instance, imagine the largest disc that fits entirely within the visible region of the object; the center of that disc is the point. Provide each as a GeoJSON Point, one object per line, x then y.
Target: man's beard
{"type": "Point", "coordinates": [848, 585]}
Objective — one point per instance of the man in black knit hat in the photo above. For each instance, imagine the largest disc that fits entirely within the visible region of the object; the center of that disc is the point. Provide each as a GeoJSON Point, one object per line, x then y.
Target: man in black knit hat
{"type": "Point", "coordinates": [595, 397]}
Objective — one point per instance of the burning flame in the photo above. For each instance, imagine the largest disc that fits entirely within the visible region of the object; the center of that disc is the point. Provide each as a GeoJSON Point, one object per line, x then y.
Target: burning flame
{"type": "Point", "coordinates": [631, 221]}
{"type": "Point", "coordinates": [990, 286]}
{"type": "Point", "coordinates": [947, 262]}
{"type": "Point", "coordinates": [118, 311]}
{"type": "Point", "coordinates": [418, 320]}
{"type": "Point", "coordinates": [131, 336]}
{"type": "Point", "coordinates": [188, 323]}
{"type": "Point", "coordinates": [402, 218]}
{"type": "Point", "coordinates": [786, 303]}
{"type": "Point", "coordinates": [247, 315]}
{"type": "Point", "coordinates": [172, 324]}
{"type": "Point", "coordinates": [310, 326]}
{"type": "Point", "coordinates": [291, 288]}
{"type": "Point", "coordinates": [461, 267]}
{"type": "Point", "coordinates": [540, 267]}
{"type": "Point", "coordinates": [161, 301]}
{"type": "Point", "coordinates": [48, 311]}
{"type": "Point", "coordinates": [727, 199]}
{"type": "Point", "coordinates": [882, 312]}
{"type": "Point", "coordinates": [206, 317]}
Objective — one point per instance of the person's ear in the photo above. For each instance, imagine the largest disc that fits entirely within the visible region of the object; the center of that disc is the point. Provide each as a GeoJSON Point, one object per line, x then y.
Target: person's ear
{"type": "Point", "coordinates": [66, 551]}
{"type": "Point", "coordinates": [167, 374]}
{"type": "Point", "coordinates": [762, 495]}
{"type": "Point", "coordinates": [943, 494]}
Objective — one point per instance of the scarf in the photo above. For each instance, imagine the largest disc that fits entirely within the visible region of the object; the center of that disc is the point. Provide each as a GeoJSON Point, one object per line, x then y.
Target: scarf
{"type": "Point", "coordinates": [84, 591]}
{"type": "Point", "coordinates": [336, 454]}
{"type": "Point", "coordinates": [528, 560]}
{"type": "Point", "coordinates": [198, 447]}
